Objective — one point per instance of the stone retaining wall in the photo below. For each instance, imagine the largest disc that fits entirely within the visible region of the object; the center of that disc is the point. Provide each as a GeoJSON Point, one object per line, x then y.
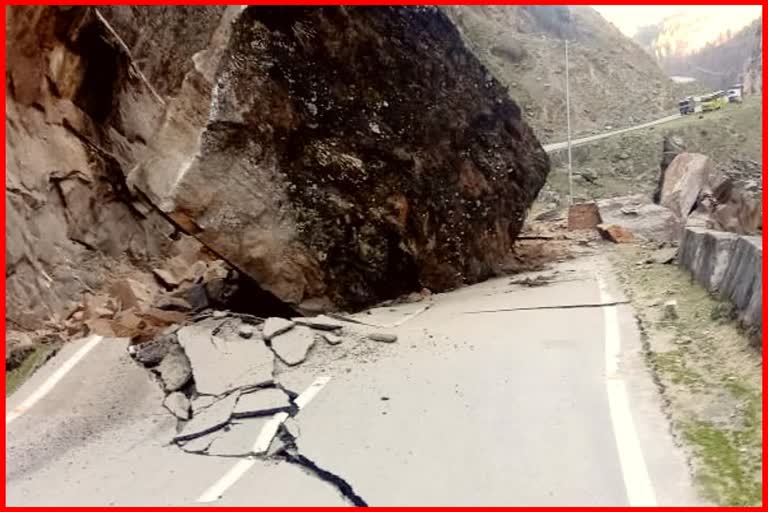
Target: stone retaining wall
{"type": "Point", "coordinates": [730, 265]}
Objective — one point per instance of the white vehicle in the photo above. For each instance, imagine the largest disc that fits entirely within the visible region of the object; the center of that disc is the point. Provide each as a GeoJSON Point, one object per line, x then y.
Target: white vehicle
{"type": "Point", "coordinates": [734, 95]}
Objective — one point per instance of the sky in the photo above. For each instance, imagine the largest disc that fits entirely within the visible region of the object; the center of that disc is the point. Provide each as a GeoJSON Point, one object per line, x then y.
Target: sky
{"type": "Point", "coordinates": [628, 18]}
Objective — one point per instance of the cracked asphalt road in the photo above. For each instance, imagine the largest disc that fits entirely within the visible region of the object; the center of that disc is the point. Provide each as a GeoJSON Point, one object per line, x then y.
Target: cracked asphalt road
{"type": "Point", "coordinates": [501, 408]}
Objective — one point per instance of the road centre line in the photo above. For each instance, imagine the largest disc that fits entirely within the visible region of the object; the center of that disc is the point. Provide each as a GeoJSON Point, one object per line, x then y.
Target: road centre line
{"type": "Point", "coordinates": [268, 432]}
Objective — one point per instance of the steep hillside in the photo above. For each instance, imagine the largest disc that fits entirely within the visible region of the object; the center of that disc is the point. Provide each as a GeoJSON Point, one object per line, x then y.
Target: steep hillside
{"type": "Point", "coordinates": [613, 81]}
{"type": "Point", "coordinates": [718, 64]}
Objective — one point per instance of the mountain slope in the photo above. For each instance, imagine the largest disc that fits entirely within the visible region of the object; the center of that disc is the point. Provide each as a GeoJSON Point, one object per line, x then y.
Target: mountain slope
{"type": "Point", "coordinates": [718, 64]}
{"type": "Point", "coordinates": [613, 81]}
{"type": "Point", "coordinates": [685, 33]}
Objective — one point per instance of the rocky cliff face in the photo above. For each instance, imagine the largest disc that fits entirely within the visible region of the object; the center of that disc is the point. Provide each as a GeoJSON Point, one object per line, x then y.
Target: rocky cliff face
{"type": "Point", "coordinates": [77, 116]}
{"type": "Point", "coordinates": [337, 155]}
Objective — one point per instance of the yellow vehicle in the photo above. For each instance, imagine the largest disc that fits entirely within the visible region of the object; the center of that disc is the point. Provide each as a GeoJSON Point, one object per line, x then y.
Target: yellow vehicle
{"type": "Point", "coordinates": [714, 101]}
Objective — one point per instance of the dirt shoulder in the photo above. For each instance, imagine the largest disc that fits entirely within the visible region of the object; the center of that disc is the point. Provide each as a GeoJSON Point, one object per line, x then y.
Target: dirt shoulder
{"type": "Point", "coordinates": [708, 372]}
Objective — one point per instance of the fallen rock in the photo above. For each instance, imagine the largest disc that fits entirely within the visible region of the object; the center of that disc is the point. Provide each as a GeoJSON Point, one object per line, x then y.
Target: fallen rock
{"type": "Point", "coordinates": [583, 216]}
{"type": "Point", "coordinates": [131, 293]}
{"type": "Point", "coordinates": [331, 338]}
{"type": "Point", "coordinates": [669, 311]}
{"type": "Point", "coordinates": [261, 402]}
{"type": "Point", "coordinates": [175, 370]}
{"type": "Point", "coordinates": [640, 216]}
{"type": "Point", "coordinates": [209, 419]}
{"type": "Point", "coordinates": [321, 234]}
{"type": "Point", "coordinates": [614, 233]}
{"type": "Point", "coordinates": [274, 326]}
{"type": "Point", "coordinates": [292, 346]}
{"type": "Point", "coordinates": [664, 256]}
{"type": "Point", "coordinates": [178, 405]}
{"type": "Point", "coordinates": [195, 295]}
{"type": "Point", "coordinates": [224, 361]}
{"type": "Point", "coordinates": [152, 352]}
{"type": "Point", "coordinates": [168, 279]}
{"type": "Point", "coordinates": [246, 331]}
{"type": "Point", "coordinates": [684, 180]}
{"type": "Point", "coordinates": [321, 322]}
{"type": "Point", "coordinates": [383, 337]}
{"type": "Point", "coordinates": [723, 207]}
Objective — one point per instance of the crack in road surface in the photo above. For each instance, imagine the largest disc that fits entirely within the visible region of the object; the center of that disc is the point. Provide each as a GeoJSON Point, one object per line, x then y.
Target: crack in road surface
{"type": "Point", "coordinates": [344, 488]}
{"type": "Point", "coordinates": [559, 306]}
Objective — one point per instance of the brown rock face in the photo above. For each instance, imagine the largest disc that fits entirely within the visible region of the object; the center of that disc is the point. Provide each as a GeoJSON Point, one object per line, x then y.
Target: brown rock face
{"type": "Point", "coordinates": [349, 154]}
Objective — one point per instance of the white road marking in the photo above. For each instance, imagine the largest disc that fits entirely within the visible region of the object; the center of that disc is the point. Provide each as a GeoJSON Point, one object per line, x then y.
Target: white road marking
{"type": "Point", "coordinates": [268, 432]}
{"type": "Point", "coordinates": [51, 381]}
{"type": "Point", "coordinates": [637, 482]}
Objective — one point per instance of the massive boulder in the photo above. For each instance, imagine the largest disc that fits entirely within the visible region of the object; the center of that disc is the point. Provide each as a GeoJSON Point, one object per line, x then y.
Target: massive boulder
{"type": "Point", "coordinates": [337, 155]}
{"type": "Point", "coordinates": [684, 179]}
{"type": "Point", "coordinates": [341, 155]}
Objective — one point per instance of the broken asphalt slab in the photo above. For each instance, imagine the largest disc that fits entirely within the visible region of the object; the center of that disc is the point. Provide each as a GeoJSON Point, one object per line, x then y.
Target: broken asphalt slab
{"type": "Point", "coordinates": [293, 346]}
{"type": "Point", "coordinates": [209, 419]}
{"type": "Point", "coordinates": [178, 405]}
{"type": "Point", "coordinates": [225, 361]}
{"type": "Point", "coordinates": [274, 326]}
{"type": "Point", "coordinates": [262, 402]}
{"type": "Point", "coordinates": [238, 438]}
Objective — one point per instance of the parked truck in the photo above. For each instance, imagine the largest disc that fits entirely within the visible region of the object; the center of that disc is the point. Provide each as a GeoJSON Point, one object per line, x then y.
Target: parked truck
{"type": "Point", "coordinates": [735, 93]}
{"type": "Point", "coordinates": [690, 105]}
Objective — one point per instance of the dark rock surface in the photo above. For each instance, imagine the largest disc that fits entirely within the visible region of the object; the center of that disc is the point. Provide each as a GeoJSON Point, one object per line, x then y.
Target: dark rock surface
{"type": "Point", "coordinates": [351, 154]}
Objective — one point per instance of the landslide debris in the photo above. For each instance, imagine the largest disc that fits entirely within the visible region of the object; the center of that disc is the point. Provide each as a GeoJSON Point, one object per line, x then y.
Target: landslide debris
{"type": "Point", "coordinates": [164, 160]}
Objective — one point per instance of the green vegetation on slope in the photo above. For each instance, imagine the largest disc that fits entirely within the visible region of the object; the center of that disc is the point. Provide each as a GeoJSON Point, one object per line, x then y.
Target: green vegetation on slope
{"type": "Point", "coordinates": [629, 163]}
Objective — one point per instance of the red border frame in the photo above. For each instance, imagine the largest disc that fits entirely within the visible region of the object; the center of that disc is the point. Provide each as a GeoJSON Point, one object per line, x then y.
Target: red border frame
{"type": "Point", "coordinates": [325, 2]}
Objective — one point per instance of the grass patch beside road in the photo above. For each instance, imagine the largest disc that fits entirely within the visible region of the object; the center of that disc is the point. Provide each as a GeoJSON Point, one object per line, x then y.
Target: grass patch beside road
{"type": "Point", "coordinates": [16, 377]}
{"type": "Point", "coordinates": [709, 375]}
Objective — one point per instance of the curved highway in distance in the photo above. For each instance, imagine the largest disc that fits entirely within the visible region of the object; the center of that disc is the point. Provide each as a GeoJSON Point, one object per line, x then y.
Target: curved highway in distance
{"type": "Point", "coordinates": [556, 146]}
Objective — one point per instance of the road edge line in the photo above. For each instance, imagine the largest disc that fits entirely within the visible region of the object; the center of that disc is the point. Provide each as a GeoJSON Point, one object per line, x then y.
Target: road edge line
{"type": "Point", "coordinates": [637, 481]}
